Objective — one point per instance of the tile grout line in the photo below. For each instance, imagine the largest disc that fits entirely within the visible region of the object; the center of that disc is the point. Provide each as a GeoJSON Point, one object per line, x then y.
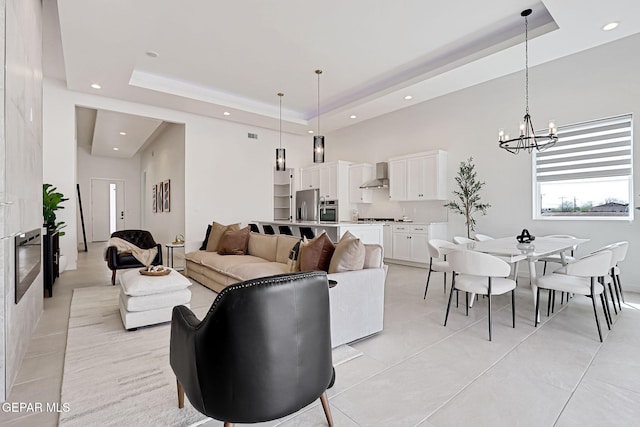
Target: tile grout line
{"type": "Point", "coordinates": [425, 419]}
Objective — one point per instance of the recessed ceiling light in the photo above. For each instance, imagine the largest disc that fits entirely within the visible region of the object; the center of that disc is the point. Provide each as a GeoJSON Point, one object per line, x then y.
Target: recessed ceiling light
{"type": "Point", "coordinates": [152, 54]}
{"type": "Point", "coordinates": [353, 116]}
{"type": "Point", "coordinates": [123, 133]}
{"type": "Point", "coordinates": [610, 26]}
{"type": "Point", "coordinates": [408, 97]}
{"type": "Point", "coordinates": [310, 131]}
{"type": "Point", "coordinates": [96, 86]}
{"type": "Point", "coordinates": [115, 148]}
{"type": "Point", "coordinates": [226, 113]}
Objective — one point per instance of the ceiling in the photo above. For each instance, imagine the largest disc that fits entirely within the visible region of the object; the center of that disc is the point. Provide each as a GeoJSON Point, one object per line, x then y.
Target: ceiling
{"type": "Point", "coordinates": [212, 57]}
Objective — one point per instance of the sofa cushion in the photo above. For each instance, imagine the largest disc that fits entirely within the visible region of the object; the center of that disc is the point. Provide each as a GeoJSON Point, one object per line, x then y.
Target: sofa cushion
{"type": "Point", "coordinates": [373, 256]}
{"type": "Point", "coordinates": [248, 271]}
{"type": "Point", "coordinates": [234, 242]}
{"type": "Point", "coordinates": [222, 263]}
{"type": "Point", "coordinates": [203, 247]}
{"type": "Point", "coordinates": [348, 255]}
{"type": "Point", "coordinates": [263, 246]}
{"type": "Point", "coordinates": [217, 230]}
{"type": "Point", "coordinates": [197, 256]}
{"type": "Point", "coordinates": [285, 244]}
{"type": "Point", "coordinates": [316, 254]}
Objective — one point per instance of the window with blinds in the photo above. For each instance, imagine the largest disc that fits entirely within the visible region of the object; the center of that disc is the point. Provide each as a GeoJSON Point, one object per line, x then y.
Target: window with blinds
{"type": "Point", "coordinates": [588, 173]}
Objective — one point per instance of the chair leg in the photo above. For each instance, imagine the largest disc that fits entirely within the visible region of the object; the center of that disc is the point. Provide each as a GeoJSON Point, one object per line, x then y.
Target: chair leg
{"type": "Point", "coordinates": [544, 270]}
{"type": "Point", "coordinates": [466, 302]}
{"type": "Point", "coordinates": [606, 310]}
{"type": "Point", "coordinates": [489, 311]}
{"type": "Point", "coordinates": [113, 277]}
{"type": "Point", "coordinates": [549, 303]}
{"type": "Point", "coordinates": [326, 408]}
{"type": "Point", "coordinates": [427, 285]}
{"type": "Point", "coordinates": [449, 303]}
{"type": "Point", "coordinates": [444, 283]}
{"type": "Point", "coordinates": [620, 287]}
{"type": "Point", "coordinates": [180, 394]}
{"type": "Point", "coordinates": [513, 307]}
{"type": "Point", "coordinates": [615, 309]}
{"type": "Point", "coordinates": [537, 313]}
{"type": "Point", "coordinates": [615, 287]}
{"type": "Point", "coordinates": [595, 313]}
{"type": "Point", "coordinates": [553, 302]}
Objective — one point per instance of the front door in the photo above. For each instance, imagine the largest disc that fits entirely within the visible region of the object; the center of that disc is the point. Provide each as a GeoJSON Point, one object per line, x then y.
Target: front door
{"type": "Point", "coordinates": [107, 208]}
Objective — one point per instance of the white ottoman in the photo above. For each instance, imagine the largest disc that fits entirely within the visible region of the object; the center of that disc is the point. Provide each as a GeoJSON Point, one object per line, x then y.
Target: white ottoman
{"type": "Point", "coordinates": [147, 300]}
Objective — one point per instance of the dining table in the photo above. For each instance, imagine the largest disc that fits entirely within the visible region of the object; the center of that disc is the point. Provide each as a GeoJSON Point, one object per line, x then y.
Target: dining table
{"type": "Point", "coordinates": [509, 249]}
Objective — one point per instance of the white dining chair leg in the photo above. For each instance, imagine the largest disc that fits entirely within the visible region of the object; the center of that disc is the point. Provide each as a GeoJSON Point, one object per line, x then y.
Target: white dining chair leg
{"type": "Point", "coordinates": [595, 313]}
{"type": "Point", "coordinates": [489, 307]}
{"type": "Point", "coordinates": [444, 283]}
{"type": "Point", "coordinates": [620, 287]}
{"type": "Point", "coordinates": [513, 307]}
{"type": "Point", "coordinates": [606, 310]}
{"type": "Point", "coordinates": [446, 316]}
{"type": "Point", "coordinates": [428, 277]}
{"type": "Point", "coordinates": [466, 302]}
{"type": "Point", "coordinates": [615, 286]}
{"type": "Point", "coordinates": [536, 313]}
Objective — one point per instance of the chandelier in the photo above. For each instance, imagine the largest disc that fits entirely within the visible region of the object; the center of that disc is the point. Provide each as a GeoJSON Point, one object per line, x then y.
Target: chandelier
{"type": "Point", "coordinates": [527, 140]}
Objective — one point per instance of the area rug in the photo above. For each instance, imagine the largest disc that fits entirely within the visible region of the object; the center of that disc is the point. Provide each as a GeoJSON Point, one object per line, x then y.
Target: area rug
{"type": "Point", "coordinates": [113, 377]}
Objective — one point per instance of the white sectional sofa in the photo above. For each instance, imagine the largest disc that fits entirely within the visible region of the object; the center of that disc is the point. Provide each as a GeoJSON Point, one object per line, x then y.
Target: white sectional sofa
{"type": "Point", "coordinates": [357, 301]}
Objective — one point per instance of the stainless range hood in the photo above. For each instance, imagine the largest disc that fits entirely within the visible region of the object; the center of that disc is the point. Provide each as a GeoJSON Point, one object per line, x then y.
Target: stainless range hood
{"type": "Point", "coordinates": [382, 179]}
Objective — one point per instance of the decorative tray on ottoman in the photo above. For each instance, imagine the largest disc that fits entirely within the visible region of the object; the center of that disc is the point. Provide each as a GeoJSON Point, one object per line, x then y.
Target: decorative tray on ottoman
{"type": "Point", "coordinates": [158, 272]}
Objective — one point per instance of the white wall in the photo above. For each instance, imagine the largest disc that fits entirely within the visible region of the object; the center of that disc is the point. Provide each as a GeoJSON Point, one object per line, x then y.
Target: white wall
{"type": "Point", "coordinates": [161, 160]}
{"type": "Point", "coordinates": [589, 85]}
{"type": "Point", "coordinates": [21, 180]}
{"type": "Point", "coordinates": [228, 177]}
{"type": "Point", "coordinates": [107, 168]}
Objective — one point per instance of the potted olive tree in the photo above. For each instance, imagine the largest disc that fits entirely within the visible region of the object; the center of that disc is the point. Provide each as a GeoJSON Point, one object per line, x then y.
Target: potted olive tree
{"type": "Point", "coordinates": [468, 195]}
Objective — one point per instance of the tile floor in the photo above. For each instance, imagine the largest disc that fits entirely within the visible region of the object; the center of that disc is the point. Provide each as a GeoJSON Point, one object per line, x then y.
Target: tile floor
{"type": "Point", "coordinates": [417, 372]}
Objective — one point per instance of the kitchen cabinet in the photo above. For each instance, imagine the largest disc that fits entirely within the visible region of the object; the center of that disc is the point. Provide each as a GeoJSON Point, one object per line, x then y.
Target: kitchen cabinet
{"type": "Point", "coordinates": [398, 179]}
{"type": "Point", "coordinates": [358, 175]}
{"type": "Point", "coordinates": [409, 241]}
{"type": "Point", "coordinates": [309, 178]}
{"type": "Point", "coordinates": [418, 177]}
{"type": "Point", "coordinates": [332, 179]}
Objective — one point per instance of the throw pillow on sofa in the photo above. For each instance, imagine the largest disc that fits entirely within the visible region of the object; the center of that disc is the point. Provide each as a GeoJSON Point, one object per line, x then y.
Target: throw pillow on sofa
{"type": "Point", "coordinates": [203, 247]}
{"type": "Point", "coordinates": [217, 230]}
{"type": "Point", "coordinates": [316, 254]}
{"type": "Point", "coordinates": [234, 242]}
{"type": "Point", "coordinates": [294, 257]}
{"type": "Point", "coordinates": [349, 254]}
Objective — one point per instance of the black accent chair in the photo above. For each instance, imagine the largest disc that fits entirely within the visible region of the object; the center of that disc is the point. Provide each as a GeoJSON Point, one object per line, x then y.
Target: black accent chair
{"type": "Point", "coordinates": [254, 228]}
{"type": "Point", "coordinates": [140, 238]}
{"type": "Point", "coordinates": [262, 352]}
{"type": "Point", "coordinates": [307, 232]}
{"type": "Point", "coordinates": [268, 229]}
{"type": "Point", "coordinates": [285, 229]}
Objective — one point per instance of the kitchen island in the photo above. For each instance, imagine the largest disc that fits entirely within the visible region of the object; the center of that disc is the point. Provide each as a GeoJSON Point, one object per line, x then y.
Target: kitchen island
{"type": "Point", "coordinates": [370, 233]}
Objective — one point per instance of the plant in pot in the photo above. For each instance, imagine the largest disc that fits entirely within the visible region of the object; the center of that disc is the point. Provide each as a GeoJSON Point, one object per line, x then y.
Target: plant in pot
{"type": "Point", "coordinates": [51, 200]}
{"type": "Point", "coordinates": [468, 194]}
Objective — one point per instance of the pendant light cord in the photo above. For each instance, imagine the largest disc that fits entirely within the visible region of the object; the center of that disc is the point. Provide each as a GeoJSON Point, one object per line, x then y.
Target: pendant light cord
{"type": "Point", "coordinates": [318, 72]}
{"type": "Point", "coordinates": [526, 62]}
{"type": "Point", "coordinates": [281, 95]}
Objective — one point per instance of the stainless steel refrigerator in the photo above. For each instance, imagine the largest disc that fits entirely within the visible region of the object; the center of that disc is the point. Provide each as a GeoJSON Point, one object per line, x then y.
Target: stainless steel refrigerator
{"type": "Point", "coordinates": [307, 202]}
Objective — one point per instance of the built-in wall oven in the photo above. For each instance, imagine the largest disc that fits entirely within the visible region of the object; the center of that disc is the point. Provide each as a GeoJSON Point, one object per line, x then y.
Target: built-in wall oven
{"type": "Point", "coordinates": [329, 211]}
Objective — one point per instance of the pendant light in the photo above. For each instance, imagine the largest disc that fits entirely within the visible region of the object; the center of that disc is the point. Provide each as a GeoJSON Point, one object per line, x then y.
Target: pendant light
{"type": "Point", "coordinates": [527, 140]}
{"type": "Point", "coordinates": [281, 159]}
{"type": "Point", "coordinates": [318, 140]}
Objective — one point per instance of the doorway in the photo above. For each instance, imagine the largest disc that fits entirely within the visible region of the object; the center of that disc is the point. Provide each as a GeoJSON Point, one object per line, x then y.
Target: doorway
{"type": "Point", "coordinates": [107, 208]}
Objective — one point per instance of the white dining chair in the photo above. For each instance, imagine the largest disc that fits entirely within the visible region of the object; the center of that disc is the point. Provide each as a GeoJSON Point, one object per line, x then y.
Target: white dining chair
{"type": "Point", "coordinates": [482, 274]}
{"type": "Point", "coordinates": [459, 240]}
{"type": "Point", "coordinates": [482, 237]}
{"type": "Point", "coordinates": [619, 253]}
{"type": "Point", "coordinates": [557, 258]}
{"type": "Point", "coordinates": [437, 261]}
{"type": "Point", "coordinates": [580, 277]}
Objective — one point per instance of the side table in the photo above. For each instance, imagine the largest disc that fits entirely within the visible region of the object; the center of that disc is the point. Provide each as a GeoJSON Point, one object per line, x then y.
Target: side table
{"type": "Point", "coordinates": [170, 247]}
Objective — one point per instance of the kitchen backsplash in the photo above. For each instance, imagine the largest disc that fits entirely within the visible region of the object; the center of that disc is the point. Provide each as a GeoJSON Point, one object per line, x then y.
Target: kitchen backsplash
{"type": "Point", "coordinates": [382, 207]}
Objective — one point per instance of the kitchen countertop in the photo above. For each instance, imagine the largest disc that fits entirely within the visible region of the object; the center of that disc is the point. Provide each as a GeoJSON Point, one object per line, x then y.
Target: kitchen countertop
{"type": "Point", "coordinates": [320, 223]}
